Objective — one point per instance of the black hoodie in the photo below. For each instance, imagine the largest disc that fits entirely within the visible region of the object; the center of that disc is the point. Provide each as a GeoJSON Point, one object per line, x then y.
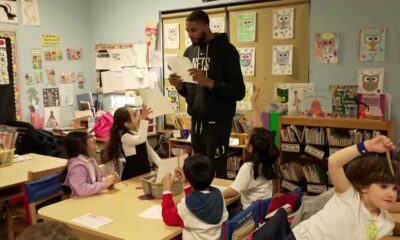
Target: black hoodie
{"type": "Point", "coordinates": [219, 59]}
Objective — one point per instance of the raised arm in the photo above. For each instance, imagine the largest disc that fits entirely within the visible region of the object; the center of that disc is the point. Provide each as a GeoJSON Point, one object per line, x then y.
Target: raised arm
{"type": "Point", "coordinates": [340, 158]}
{"type": "Point", "coordinates": [256, 115]}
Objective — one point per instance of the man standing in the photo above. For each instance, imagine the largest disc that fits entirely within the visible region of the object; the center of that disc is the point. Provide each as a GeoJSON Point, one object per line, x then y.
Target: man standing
{"type": "Point", "coordinates": [211, 102]}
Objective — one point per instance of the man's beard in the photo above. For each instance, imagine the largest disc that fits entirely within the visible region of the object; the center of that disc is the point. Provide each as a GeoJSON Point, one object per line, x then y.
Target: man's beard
{"type": "Point", "coordinates": [201, 40]}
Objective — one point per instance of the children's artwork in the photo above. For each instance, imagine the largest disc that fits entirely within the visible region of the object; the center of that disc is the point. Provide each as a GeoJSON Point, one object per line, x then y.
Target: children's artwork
{"type": "Point", "coordinates": [171, 35]}
{"type": "Point", "coordinates": [36, 58]}
{"type": "Point", "coordinates": [51, 40]}
{"type": "Point", "coordinates": [247, 60]}
{"type": "Point", "coordinates": [8, 11]}
{"type": "Point", "coordinates": [282, 57]}
{"type": "Point", "coordinates": [51, 75]}
{"type": "Point", "coordinates": [281, 96]}
{"type": "Point", "coordinates": [296, 91]}
{"type": "Point", "coordinates": [151, 34]}
{"type": "Point", "coordinates": [33, 97]}
{"type": "Point", "coordinates": [282, 23]}
{"type": "Point", "coordinates": [155, 58]}
{"type": "Point", "coordinates": [67, 77]}
{"type": "Point", "coordinates": [344, 100]}
{"type": "Point", "coordinates": [33, 78]}
{"type": "Point", "coordinates": [52, 117]}
{"type": "Point", "coordinates": [188, 41]}
{"type": "Point", "coordinates": [51, 97]}
{"type": "Point", "coordinates": [81, 80]}
{"type": "Point", "coordinates": [246, 27]}
{"type": "Point", "coordinates": [74, 53]}
{"type": "Point", "coordinates": [172, 96]}
{"type": "Point", "coordinates": [373, 106]}
{"type": "Point", "coordinates": [217, 24]}
{"type": "Point", "coordinates": [67, 94]}
{"type": "Point", "coordinates": [30, 12]}
{"type": "Point", "coordinates": [370, 80]}
{"type": "Point", "coordinates": [245, 103]}
{"type": "Point", "coordinates": [4, 78]}
{"type": "Point", "coordinates": [53, 55]}
{"type": "Point", "coordinates": [326, 48]}
{"type": "Point", "coordinates": [316, 105]}
{"type": "Point", "coordinates": [372, 44]}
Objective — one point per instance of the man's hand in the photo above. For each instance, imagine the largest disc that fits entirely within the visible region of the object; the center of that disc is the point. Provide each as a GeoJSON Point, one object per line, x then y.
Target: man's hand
{"type": "Point", "coordinates": [199, 77]}
{"type": "Point", "coordinates": [175, 80]}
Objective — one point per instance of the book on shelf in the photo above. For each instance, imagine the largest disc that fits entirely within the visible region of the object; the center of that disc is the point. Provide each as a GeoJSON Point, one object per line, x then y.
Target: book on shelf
{"type": "Point", "coordinates": [288, 185]}
{"type": "Point", "coordinates": [240, 124]}
{"type": "Point", "coordinates": [337, 139]}
{"type": "Point", "coordinates": [315, 188]}
{"type": "Point", "coordinates": [316, 105]}
{"type": "Point", "coordinates": [344, 100]}
{"type": "Point", "coordinates": [315, 152]}
{"type": "Point", "coordinates": [374, 106]}
{"type": "Point", "coordinates": [296, 91]}
{"type": "Point", "coordinates": [315, 135]}
{"type": "Point", "coordinates": [290, 147]}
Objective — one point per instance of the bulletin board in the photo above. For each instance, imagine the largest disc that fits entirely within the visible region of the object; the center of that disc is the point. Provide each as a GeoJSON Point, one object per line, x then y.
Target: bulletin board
{"type": "Point", "coordinates": [10, 104]}
{"type": "Point", "coordinates": [263, 43]}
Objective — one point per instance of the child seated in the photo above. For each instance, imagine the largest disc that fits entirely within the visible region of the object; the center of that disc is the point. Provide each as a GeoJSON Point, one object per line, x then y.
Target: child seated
{"type": "Point", "coordinates": [202, 212]}
{"type": "Point", "coordinates": [83, 174]}
{"type": "Point", "coordinates": [363, 196]}
{"type": "Point", "coordinates": [254, 180]}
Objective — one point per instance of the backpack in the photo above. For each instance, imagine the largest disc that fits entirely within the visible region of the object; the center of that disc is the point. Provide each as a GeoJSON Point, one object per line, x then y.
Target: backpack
{"type": "Point", "coordinates": [103, 124]}
{"type": "Point", "coordinates": [48, 142]}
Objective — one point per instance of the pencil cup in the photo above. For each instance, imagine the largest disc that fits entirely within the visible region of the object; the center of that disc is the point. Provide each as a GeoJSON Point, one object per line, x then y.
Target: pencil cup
{"type": "Point", "coordinates": [6, 157]}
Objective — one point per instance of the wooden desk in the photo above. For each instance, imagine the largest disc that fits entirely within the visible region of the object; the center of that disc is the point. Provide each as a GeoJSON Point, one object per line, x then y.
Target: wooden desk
{"type": "Point", "coordinates": [122, 205]}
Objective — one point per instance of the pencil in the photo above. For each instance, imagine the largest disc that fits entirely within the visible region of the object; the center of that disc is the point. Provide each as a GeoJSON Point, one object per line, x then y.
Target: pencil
{"type": "Point", "coordinates": [389, 161]}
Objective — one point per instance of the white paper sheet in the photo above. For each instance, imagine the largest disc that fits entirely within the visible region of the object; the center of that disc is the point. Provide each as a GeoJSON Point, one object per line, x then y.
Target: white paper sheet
{"type": "Point", "coordinates": [112, 82]}
{"type": "Point", "coordinates": [154, 212]}
{"type": "Point", "coordinates": [154, 99]}
{"type": "Point", "coordinates": [167, 72]}
{"type": "Point", "coordinates": [103, 63]}
{"type": "Point", "coordinates": [129, 78]}
{"type": "Point", "coordinates": [141, 54]}
{"type": "Point", "coordinates": [169, 165]}
{"type": "Point", "coordinates": [93, 220]}
{"type": "Point", "coordinates": [20, 158]}
{"type": "Point", "coordinates": [180, 66]}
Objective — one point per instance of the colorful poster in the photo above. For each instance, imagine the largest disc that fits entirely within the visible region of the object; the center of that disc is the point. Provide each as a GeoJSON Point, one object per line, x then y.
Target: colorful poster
{"type": "Point", "coordinates": [67, 94]}
{"type": "Point", "coordinates": [30, 12]}
{"type": "Point", "coordinates": [247, 60]}
{"type": "Point", "coordinates": [150, 31]}
{"type": "Point", "coordinates": [51, 40]}
{"type": "Point", "coordinates": [282, 57]}
{"type": "Point", "coordinates": [326, 48]}
{"type": "Point", "coordinates": [172, 96]}
{"type": "Point", "coordinates": [282, 23]}
{"type": "Point", "coordinates": [74, 53]}
{"type": "Point", "coordinates": [370, 80]}
{"type": "Point", "coordinates": [8, 11]}
{"type": "Point", "coordinates": [80, 78]}
{"type": "Point", "coordinates": [36, 58]}
{"type": "Point", "coordinates": [33, 97]}
{"type": "Point", "coordinates": [296, 91]}
{"type": "Point", "coordinates": [372, 44]}
{"type": "Point", "coordinates": [246, 27]}
{"type": "Point", "coordinates": [51, 75]}
{"type": "Point", "coordinates": [33, 78]}
{"type": "Point", "coordinates": [171, 35]}
{"type": "Point", "coordinates": [245, 103]}
{"type": "Point", "coordinates": [4, 78]}
{"type": "Point", "coordinates": [51, 97]}
{"type": "Point", "coordinates": [217, 24]}
{"type": "Point", "coordinates": [67, 77]}
{"type": "Point", "coordinates": [316, 105]}
{"type": "Point", "coordinates": [51, 117]}
{"type": "Point", "coordinates": [53, 55]}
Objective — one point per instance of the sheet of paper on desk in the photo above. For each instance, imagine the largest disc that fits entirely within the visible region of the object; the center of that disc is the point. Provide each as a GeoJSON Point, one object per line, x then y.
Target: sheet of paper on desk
{"type": "Point", "coordinates": [154, 212]}
{"type": "Point", "coordinates": [180, 66]}
{"type": "Point", "coordinates": [168, 165]}
{"type": "Point", "coordinates": [20, 158]}
{"type": "Point", "coordinates": [92, 220]}
{"type": "Point", "coordinates": [154, 99]}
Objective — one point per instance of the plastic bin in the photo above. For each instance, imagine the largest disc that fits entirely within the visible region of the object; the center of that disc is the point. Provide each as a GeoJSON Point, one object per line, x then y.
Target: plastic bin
{"type": "Point", "coordinates": [150, 187]}
{"type": "Point", "coordinates": [6, 157]}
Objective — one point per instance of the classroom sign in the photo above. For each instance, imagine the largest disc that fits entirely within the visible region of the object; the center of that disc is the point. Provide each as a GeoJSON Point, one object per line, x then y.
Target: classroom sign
{"type": "Point", "coordinates": [51, 40]}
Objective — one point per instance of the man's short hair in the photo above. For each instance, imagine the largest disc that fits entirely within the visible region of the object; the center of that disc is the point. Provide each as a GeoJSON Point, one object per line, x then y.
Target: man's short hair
{"type": "Point", "coordinates": [198, 16]}
{"type": "Point", "coordinates": [198, 171]}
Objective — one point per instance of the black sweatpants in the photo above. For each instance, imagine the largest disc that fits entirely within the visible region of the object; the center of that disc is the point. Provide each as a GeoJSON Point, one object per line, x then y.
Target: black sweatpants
{"type": "Point", "coordinates": [212, 139]}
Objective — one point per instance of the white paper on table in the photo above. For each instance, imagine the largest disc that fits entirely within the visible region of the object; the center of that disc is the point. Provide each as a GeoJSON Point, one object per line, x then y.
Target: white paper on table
{"type": "Point", "coordinates": [168, 165]}
{"type": "Point", "coordinates": [180, 66]}
{"type": "Point", "coordinates": [20, 158]}
{"type": "Point", "coordinates": [154, 212]}
{"type": "Point", "coordinates": [92, 220]}
{"type": "Point", "coordinates": [221, 188]}
{"type": "Point", "coordinates": [141, 54]}
{"type": "Point", "coordinates": [154, 99]}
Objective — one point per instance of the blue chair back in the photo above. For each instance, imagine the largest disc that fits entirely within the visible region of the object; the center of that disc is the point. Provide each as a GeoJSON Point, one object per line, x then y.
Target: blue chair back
{"type": "Point", "coordinates": [263, 207]}
{"type": "Point", "coordinates": [43, 188]}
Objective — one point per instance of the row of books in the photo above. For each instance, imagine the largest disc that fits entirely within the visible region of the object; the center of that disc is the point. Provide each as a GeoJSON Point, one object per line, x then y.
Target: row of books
{"type": "Point", "coordinates": [354, 136]}
{"type": "Point", "coordinates": [311, 173]}
{"type": "Point", "coordinates": [234, 162]}
{"type": "Point", "coordinates": [311, 188]}
{"type": "Point", "coordinates": [308, 135]}
{"type": "Point", "coordinates": [240, 124]}
{"type": "Point", "coordinates": [8, 137]}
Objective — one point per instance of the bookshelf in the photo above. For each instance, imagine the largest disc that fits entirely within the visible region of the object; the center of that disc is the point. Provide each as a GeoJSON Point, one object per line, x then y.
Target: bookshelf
{"type": "Point", "coordinates": [306, 143]}
{"type": "Point", "coordinates": [236, 153]}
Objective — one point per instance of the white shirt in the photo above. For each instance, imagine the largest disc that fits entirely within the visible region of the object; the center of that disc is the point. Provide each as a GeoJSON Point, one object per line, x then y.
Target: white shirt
{"type": "Point", "coordinates": [129, 141]}
{"type": "Point", "coordinates": [249, 188]}
{"type": "Point", "coordinates": [344, 215]}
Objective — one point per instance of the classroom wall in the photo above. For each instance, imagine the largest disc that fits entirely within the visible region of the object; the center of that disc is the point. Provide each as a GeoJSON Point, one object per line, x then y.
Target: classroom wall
{"type": "Point", "coordinates": [68, 18]}
{"type": "Point", "coordinates": [346, 17]}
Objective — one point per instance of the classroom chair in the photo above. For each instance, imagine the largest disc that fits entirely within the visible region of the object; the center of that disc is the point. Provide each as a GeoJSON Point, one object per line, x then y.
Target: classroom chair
{"type": "Point", "coordinates": [41, 189]}
{"type": "Point", "coordinates": [241, 224]}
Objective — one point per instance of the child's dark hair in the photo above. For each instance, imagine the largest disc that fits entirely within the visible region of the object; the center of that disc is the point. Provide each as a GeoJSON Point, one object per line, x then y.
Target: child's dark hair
{"type": "Point", "coordinates": [264, 152]}
{"type": "Point", "coordinates": [112, 151]}
{"type": "Point", "coordinates": [198, 16]}
{"type": "Point", "coordinates": [75, 143]}
{"type": "Point", "coordinates": [368, 169]}
{"type": "Point", "coordinates": [48, 230]}
{"type": "Point", "coordinates": [198, 171]}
